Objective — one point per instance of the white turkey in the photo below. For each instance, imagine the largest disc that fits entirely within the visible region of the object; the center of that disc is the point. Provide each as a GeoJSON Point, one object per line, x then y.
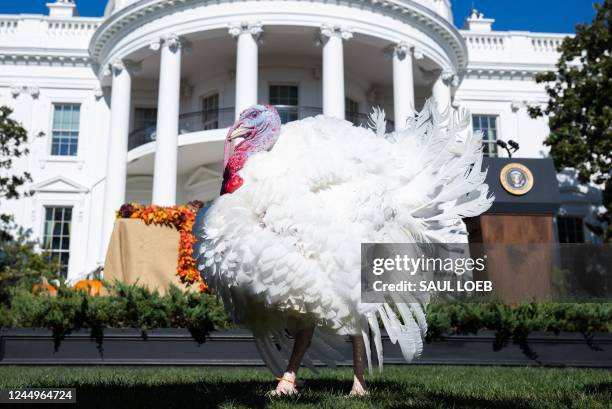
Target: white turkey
{"type": "Point", "coordinates": [281, 245]}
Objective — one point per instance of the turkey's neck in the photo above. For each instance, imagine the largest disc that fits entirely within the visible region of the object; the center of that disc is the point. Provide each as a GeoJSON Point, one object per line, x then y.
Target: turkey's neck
{"type": "Point", "coordinates": [231, 179]}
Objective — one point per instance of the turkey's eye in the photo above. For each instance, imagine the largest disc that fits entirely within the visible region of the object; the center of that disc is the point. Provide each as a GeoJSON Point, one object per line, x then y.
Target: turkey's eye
{"type": "Point", "coordinates": [254, 114]}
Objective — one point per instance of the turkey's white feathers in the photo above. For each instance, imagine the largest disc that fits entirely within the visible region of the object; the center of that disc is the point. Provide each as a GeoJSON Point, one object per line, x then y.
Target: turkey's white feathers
{"type": "Point", "coordinates": [286, 244]}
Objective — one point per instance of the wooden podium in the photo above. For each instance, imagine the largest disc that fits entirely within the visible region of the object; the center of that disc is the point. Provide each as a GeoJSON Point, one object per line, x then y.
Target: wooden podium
{"type": "Point", "coordinates": [526, 202]}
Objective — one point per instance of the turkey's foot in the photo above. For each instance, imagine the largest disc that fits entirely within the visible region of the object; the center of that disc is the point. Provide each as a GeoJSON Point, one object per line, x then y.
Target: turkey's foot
{"type": "Point", "coordinates": [286, 386]}
{"type": "Point", "coordinates": [359, 387]}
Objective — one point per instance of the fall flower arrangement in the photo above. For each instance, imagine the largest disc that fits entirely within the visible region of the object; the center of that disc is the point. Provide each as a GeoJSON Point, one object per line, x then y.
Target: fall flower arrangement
{"type": "Point", "coordinates": [180, 217]}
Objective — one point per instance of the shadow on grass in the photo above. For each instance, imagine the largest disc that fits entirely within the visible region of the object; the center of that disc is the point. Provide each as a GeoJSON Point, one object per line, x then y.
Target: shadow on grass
{"type": "Point", "coordinates": [172, 395]}
{"type": "Point", "coordinates": [251, 394]}
{"type": "Point", "coordinates": [603, 389]}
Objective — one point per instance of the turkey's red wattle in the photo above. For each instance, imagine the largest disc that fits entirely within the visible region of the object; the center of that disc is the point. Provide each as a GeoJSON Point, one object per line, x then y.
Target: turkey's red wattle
{"type": "Point", "coordinates": [233, 183]}
{"type": "Point", "coordinates": [231, 179]}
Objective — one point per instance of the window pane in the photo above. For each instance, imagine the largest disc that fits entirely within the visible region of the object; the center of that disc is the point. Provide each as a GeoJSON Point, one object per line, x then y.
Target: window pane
{"type": "Point", "coordinates": [487, 124]}
{"type": "Point", "coordinates": [65, 132]}
{"type": "Point", "coordinates": [570, 229]}
{"type": "Point", "coordinates": [210, 116]}
{"type": "Point", "coordinates": [57, 236]}
{"type": "Point", "coordinates": [145, 117]}
{"type": "Point", "coordinates": [286, 98]}
{"type": "Point", "coordinates": [351, 105]}
{"type": "Point", "coordinates": [74, 122]}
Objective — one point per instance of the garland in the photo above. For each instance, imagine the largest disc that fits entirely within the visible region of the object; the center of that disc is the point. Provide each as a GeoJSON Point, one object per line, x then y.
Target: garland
{"type": "Point", "coordinates": [180, 217]}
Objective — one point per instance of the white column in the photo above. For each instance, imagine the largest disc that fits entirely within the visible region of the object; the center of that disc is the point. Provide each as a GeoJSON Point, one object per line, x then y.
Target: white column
{"type": "Point", "coordinates": [166, 151]}
{"type": "Point", "coordinates": [403, 85]}
{"type": "Point", "coordinates": [333, 69]}
{"type": "Point", "coordinates": [116, 156]}
{"type": "Point", "coordinates": [247, 35]}
{"type": "Point", "coordinates": [442, 91]}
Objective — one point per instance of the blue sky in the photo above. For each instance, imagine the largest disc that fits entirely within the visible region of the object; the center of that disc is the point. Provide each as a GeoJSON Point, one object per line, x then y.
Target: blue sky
{"type": "Point", "coordinates": [556, 16]}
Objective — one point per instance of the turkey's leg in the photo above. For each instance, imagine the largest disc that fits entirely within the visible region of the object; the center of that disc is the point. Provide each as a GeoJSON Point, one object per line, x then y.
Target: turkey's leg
{"type": "Point", "coordinates": [359, 386]}
{"type": "Point", "coordinates": [302, 338]}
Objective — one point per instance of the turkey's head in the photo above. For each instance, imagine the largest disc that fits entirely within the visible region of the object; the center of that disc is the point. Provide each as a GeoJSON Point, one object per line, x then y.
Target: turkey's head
{"type": "Point", "coordinates": [259, 128]}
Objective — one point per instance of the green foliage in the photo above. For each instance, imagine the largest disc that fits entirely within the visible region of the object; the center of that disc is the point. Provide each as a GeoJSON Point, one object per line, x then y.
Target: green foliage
{"type": "Point", "coordinates": [470, 318]}
{"type": "Point", "coordinates": [515, 322]}
{"type": "Point", "coordinates": [132, 306]}
{"type": "Point", "coordinates": [13, 140]}
{"type": "Point", "coordinates": [580, 106]}
{"type": "Point", "coordinates": [125, 306]}
{"type": "Point", "coordinates": [20, 262]}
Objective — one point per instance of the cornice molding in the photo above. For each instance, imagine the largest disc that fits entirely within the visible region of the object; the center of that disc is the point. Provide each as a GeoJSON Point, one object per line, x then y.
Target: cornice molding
{"type": "Point", "coordinates": [406, 11]}
{"type": "Point", "coordinates": [44, 57]}
{"type": "Point", "coordinates": [516, 73]}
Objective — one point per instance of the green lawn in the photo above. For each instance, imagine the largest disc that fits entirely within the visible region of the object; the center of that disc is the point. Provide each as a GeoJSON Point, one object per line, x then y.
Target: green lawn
{"type": "Point", "coordinates": [398, 387]}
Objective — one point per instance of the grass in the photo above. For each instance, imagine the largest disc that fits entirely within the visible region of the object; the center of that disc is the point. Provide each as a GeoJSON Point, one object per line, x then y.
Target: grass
{"type": "Point", "coordinates": [423, 387]}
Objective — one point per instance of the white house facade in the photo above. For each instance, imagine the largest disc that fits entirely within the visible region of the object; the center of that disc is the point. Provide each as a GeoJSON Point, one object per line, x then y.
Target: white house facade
{"type": "Point", "coordinates": [133, 106]}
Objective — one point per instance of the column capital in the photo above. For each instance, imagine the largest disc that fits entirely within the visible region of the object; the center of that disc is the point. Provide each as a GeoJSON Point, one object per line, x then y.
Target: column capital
{"type": "Point", "coordinates": [449, 77]}
{"type": "Point", "coordinates": [403, 49]}
{"type": "Point", "coordinates": [16, 90]}
{"type": "Point", "coordinates": [172, 41]}
{"type": "Point", "coordinates": [98, 92]}
{"type": "Point", "coordinates": [119, 65]}
{"type": "Point", "coordinates": [253, 28]}
{"type": "Point", "coordinates": [328, 31]}
{"type": "Point", "coordinates": [399, 50]}
{"type": "Point", "coordinates": [34, 91]}
{"type": "Point", "coordinates": [418, 53]}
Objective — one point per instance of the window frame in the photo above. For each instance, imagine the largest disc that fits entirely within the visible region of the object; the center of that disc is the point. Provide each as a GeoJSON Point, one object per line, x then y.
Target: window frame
{"type": "Point", "coordinates": [141, 107]}
{"type": "Point", "coordinates": [208, 121]}
{"type": "Point", "coordinates": [348, 100]}
{"type": "Point", "coordinates": [43, 235]}
{"type": "Point", "coordinates": [291, 109]}
{"type": "Point", "coordinates": [497, 117]}
{"type": "Point", "coordinates": [580, 231]}
{"type": "Point", "coordinates": [79, 131]}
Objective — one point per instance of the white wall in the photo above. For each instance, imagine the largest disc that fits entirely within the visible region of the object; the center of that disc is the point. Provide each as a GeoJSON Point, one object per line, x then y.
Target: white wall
{"type": "Point", "coordinates": [75, 181]}
{"type": "Point", "coordinates": [509, 100]}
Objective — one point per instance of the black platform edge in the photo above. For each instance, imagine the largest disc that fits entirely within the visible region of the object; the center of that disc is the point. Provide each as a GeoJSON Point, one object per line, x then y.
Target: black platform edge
{"type": "Point", "coordinates": [236, 348]}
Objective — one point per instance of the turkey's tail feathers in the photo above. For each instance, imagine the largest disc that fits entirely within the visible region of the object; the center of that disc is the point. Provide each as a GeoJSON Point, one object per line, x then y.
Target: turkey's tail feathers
{"type": "Point", "coordinates": [406, 327]}
{"type": "Point", "coordinates": [377, 121]}
{"type": "Point", "coordinates": [404, 324]}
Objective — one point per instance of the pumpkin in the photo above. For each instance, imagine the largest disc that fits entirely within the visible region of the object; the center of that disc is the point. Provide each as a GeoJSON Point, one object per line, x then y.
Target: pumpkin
{"type": "Point", "coordinates": [93, 287]}
{"type": "Point", "coordinates": [45, 287]}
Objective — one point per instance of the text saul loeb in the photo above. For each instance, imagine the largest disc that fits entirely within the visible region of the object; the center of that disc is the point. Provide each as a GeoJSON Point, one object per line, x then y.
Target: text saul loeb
{"type": "Point", "coordinates": [403, 273]}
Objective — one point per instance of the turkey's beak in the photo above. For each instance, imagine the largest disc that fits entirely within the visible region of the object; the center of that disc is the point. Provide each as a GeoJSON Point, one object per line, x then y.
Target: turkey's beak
{"type": "Point", "coordinates": [237, 131]}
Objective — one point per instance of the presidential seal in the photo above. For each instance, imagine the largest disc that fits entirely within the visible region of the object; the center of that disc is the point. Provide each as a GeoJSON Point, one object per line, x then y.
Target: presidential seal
{"type": "Point", "coordinates": [516, 179]}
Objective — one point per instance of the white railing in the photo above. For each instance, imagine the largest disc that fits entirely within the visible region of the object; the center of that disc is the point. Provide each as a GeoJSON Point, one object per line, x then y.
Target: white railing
{"type": "Point", "coordinates": [513, 47]}
{"type": "Point", "coordinates": [37, 31]}
{"type": "Point", "coordinates": [67, 27]}
{"type": "Point", "coordinates": [486, 42]}
{"type": "Point", "coordinates": [8, 26]}
{"type": "Point", "coordinates": [546, 44]}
